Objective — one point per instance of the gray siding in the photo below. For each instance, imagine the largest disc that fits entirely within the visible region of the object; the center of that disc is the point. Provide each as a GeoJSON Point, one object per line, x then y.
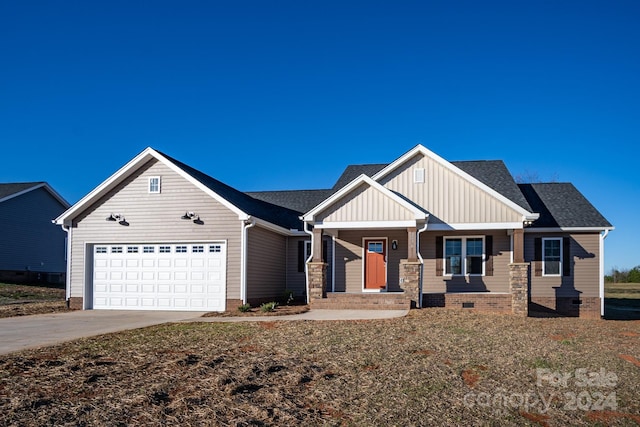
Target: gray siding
{"type": "Point", "coordinates": [28, 238]}
{"type": "Point", "coordinates": [350, 252]}
{"type": "Point", "coordinates": [499, 282]}
{"type": "Point", "coordinates": [266, 264]}
{"type": "Point", "coordinates": [584, 280]}
{"type": "Point", "coordinates": [155, 218]}
{"type": "Point", "coordinates": [446, 195]}
{"type": "Point", "coordinates": [296, 280]}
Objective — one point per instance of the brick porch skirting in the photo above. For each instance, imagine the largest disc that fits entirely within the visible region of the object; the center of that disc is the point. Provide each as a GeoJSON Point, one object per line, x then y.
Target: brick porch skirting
{"type": "Point", "coordinates": [585, 307]}
{"type": "Point", "coordinates": [479, 302]}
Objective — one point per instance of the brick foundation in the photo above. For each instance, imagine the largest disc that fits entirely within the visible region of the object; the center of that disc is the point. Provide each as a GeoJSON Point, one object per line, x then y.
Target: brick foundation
{"type": "Point", "coordinates": [588, 307]}
{"type": "Point", "coordinates": [317, 280]}
{"type": "Point", "coordinates": [233, 304]}
{"type": "Point", "coordinates": [479, 302]}
{"type": "Point", "coordinates": [76, 303]}
{"type": "Point", "coordinates": [410, 280]}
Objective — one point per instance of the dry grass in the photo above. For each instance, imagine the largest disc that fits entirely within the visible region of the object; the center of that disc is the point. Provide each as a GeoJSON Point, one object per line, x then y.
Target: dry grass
{"type": "Point", "coordinates": [415, 370]}
{"type": "Point", "coordinates": [280, 310]}
{"type": "Point", "coordinates": [23, 300]}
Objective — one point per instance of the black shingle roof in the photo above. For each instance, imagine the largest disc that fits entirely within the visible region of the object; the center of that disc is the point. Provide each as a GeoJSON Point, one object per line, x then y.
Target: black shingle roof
{"type": "Point", "coordinates": [272, 213]}
{"type": "Point", "coordinates": [494, 173]}
{"type": "Point", "coordinates": [16, 187]}
{"type": "Point", "coordinates": [561, 205]}
{"type": "Point", "coordinates": [351, 172]}
{"type": "Point", "coordinates": [301, 201]}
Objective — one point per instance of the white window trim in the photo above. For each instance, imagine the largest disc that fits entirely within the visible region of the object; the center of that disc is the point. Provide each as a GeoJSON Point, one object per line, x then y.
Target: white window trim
{"type": "Point", "coordinates": [560, 266]}
{"type": "Point", "coordinates": [463, 255]}
{"type": "Point", "coordinates": [151, 178]}
{"type": "Point", "coordinates": [307, 250]}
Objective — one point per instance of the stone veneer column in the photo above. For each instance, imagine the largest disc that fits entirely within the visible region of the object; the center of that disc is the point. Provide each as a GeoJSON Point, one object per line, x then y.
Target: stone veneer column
{"type": "Point", "coordinates": [410, 280]}
{"type": "Point", "coordinates": [518, 285]}
{"type": "Point", "coordinates": [317, 280]}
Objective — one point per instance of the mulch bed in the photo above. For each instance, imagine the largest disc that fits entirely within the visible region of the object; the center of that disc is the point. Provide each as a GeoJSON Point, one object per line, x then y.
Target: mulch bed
{"type": "Point", "coordinates": [432, 367]}
{"type": "Point", "coordinates": [280, 310]}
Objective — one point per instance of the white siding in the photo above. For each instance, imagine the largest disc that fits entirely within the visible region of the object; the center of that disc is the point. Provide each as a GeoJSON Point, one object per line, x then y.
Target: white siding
{"type": "Point", "coordinates": [155, 218]}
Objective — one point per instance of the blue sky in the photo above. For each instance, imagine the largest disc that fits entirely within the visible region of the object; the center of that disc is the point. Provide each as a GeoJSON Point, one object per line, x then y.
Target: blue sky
{"type": "Point", "coordinates": [283, 95]}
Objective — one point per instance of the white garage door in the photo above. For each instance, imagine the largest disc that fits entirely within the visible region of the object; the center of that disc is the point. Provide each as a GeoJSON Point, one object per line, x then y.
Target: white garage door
{"type": "Point", "coordinates": [183, 276]}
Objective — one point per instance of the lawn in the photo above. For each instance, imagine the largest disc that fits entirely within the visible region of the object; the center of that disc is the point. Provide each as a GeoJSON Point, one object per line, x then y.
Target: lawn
{"type": "Point", "coordinates": [433, 367]}
{"type": "Point", "coordinates": [21, 300]}
{"type": "Point", "coordinates": [622, 300]}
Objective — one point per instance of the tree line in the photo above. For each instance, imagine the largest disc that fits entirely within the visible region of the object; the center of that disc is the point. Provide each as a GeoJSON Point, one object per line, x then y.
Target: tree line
{"type": "Point", "coordinates": [623, 276]}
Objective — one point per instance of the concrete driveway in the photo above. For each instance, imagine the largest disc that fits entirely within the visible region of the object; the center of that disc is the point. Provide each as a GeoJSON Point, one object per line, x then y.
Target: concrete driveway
{"type": "Point", "coordinates": [19, 333]}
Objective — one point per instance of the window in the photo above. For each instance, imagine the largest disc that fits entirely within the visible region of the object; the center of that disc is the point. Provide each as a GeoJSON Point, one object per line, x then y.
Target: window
{"type": "Point", "coordinates": [132, 249]}
{"type": "Point", "coordinates": [148, 249]}
{"type": "Point", "coordinates": [464, 256]}
{"type": "Point", "coordinates": [375, 247]}
{"type": "Point", "coordinates": [165, 249]}
{"type": "Point", "coordinates": [181, 249]}
{"type": "Point", "coordinates": [116, 249]}
{"type": "Point", "coordinates": [215, 248]}
{"type": "Point", "coordinates": [154, 184]}
{"type": "Point", "coordinates": [197, 249]}
{"type": "Point", "coordinates": [418, 175]}
{"type": "Point", "coordinates": [552, 256]}
{"type": "Point", "coordinates": [101, 249]}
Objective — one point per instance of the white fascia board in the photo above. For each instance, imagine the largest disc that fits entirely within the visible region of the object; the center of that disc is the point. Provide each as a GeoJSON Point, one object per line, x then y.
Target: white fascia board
{"type": "Point", "coordinates": [567, 229]}
{"type": "Point", "coordinates": [365, 224]}
{"type": "Point", "coordinates": [122, 173]}
{"type": "Point", "coordinates": [420, 149]}
{"type": "Point", "coordinates": [476, 226]}
{"type": "Point", "coordinates": [363, 179]}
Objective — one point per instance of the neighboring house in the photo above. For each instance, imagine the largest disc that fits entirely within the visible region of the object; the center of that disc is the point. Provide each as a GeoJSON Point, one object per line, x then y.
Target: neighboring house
{"type": "Point", "coordinates": [32, 249]}
{"type": "Point", "coordinates": [159, 234]}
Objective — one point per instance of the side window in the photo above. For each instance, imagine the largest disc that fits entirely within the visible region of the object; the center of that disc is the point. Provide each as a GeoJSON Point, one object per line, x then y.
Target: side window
{"type": "Point", "coordinates": [154, 184]}
{"type": "Point", "coordinates": [552, 256]}
{"type": "Point", "coordinates": [453, 256]}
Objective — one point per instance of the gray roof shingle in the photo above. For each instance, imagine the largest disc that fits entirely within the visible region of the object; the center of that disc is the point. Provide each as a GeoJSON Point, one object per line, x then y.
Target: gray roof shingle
{"type": "Point", "coordinates": [562, 205]}
{"type": "Point", "coordinates": [301, 201]}
{"type": "Point", "coordinates": [351, 172]}
{"type": "Point", "coordinates": [8, 189]}
{"type": "Point", "coordinates": [272, 213]}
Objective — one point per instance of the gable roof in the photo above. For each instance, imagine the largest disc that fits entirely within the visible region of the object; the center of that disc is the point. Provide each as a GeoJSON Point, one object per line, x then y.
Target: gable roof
{"type": "Point", "coordinates": [14, 189]}
{"type": "Point", "coordinates": [300, 201]}
{"type": "Point", "coordinates": [561, 205]}
{"type": "Point", "coordinates": [240, 203]}
{"type": "Point", "coordinates": [418, 213]}
{"type": "Point", "coordinates": [351, 172]}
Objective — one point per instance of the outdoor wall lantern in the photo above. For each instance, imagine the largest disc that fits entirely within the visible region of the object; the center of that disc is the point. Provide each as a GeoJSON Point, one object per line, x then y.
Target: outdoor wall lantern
{"type": "Point", "coordinates": [119, 218]}
{"type": "Point", "coordinates": [394, 245]}
{"type": "Point", "coordinates": [192, 216]}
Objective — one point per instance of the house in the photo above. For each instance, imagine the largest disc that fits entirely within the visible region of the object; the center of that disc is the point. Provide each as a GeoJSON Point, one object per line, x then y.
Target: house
{"type": "Point", "coordinates": [32, 249]}
{"type": "Point", "coordinates": [420, 230]}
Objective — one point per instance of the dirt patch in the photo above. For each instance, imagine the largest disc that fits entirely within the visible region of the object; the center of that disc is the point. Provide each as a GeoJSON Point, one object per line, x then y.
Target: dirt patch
{"type": "Point", "coordinates": [326, 373]}
{"type": "Point", "coordinates": [27, 309]}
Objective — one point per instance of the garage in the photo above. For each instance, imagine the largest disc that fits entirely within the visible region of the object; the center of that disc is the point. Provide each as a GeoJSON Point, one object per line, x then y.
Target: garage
{"type": "Point", "coordinates": [163, 276]}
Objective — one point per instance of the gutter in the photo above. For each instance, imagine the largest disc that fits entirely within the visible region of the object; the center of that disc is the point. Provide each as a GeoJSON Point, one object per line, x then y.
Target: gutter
{"type": "Point", "coordinates": [602, 237]}
{"type": "Point", "coordinates": [246, 225]}
{"type": "Point", "coordinates": [69, 231]}
{"type": "Point", "coordinates": [307, 261]}
{"type": "Point", "coordinates": [421, 262]}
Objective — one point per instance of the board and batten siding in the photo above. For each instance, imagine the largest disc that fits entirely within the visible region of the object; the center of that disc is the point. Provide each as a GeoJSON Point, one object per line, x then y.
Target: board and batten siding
{"type": "Point", "coordinates": [266, 264]}
{"type": "Point", "coordinates": [499, 282]}
{"type": "Point", "coordinates": [584, 280]}
{"type": "Point", "coordinates": [365, 203]}
{"type": "Point", "coordinates": [447, 196]}
{"type": "Point", "coordinates": [29, 241]}
{"type": "Point", "coordinates": [155, 218]}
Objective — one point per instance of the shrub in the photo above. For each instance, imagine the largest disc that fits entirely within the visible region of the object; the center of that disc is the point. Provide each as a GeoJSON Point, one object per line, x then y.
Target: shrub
{"type": "Point", "coordinates": [268, 306]}
{"type": "Point", "coordinates": [288, 297]}
{"type": "Point", "coordinates": [244, 308]}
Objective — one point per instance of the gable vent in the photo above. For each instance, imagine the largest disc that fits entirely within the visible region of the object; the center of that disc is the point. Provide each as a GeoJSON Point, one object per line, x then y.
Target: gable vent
{"type": "Point", "coordinates": [418, 175]}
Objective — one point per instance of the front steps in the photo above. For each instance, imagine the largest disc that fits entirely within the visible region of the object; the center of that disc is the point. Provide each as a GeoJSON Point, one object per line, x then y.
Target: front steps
{"type": "Point", "coordinates": [363, 301]}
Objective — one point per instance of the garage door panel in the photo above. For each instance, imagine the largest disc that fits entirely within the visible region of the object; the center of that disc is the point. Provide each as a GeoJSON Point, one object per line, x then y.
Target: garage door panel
{"type": "Point", "coordinates": [159, 277]}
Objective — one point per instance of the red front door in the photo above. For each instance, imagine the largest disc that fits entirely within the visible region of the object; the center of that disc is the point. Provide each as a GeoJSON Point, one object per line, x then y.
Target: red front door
{"type": "Point", "coordinates": [375, 265]}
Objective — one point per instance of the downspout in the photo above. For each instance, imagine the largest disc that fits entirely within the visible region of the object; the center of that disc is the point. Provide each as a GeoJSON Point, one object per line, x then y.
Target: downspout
{"type": "Point", "coordinates": [307, 261]}
{"type": "Point", "coordinates": [602, 237]}
{"type": "Point", "coordinates": [67, 280]}
{"type": "Point", "coordinates": [246, 225]}
{"type": "Point", "coordinates": [421, 262]}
